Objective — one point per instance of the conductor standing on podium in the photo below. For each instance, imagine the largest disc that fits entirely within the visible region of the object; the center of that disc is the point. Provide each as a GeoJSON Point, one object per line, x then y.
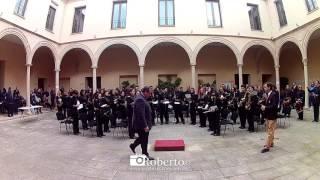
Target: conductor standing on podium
{"type": "Point", "coordinates": [142, 121]}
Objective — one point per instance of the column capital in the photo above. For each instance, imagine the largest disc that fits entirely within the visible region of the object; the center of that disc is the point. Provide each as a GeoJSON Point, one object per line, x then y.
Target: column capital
{"type": "Point", "coordinates": [193, 64]}
{"type": "Point", "coordinates": [141, 65]}
{"type": "Point", "coordinates": [239, 65]}
{"type": "Point", "coordinates": [94, 67]}
{"type": "Point", "coordinates": [277, 66]}
{"type": "Point", "coordinates": [57, 70]}
{"type": "Point", "coordinates": [305, 61]}
{"type": "Point", "coordinates": [28, 65]}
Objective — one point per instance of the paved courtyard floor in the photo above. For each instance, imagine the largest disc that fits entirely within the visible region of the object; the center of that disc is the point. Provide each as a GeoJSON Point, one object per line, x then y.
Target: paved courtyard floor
{"type": "Point", "coordinates": [35, 149]}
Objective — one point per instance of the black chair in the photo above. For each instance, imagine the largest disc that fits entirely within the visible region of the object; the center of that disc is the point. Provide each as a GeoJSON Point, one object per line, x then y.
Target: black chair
{"type": "Point", "coordinates": [227, 122]}
{"type": "Point", "coordinates": [63, 120]}
{"type": "Point", "coordinates": [121, 126]}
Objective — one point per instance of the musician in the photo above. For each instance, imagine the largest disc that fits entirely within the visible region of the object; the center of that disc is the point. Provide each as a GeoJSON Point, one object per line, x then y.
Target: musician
{"type": "Point", "coordinates": [163, 100]}
{"type": "Point", "coordinates": [299, 102]}
{"type": "Point", "coordinates": [83, 110]}
{"type": "Point", "coordinates": [242, 111]}
{"type": "Point", "coordinates": [213, 115]}
{"type": "Point", "coordinates": [153, 107]}
{"type": "Point", "coordinates": [106, 111]}
{"type": "Point", "coordinates": [202, 107]}
{"type": "Point", "coordinates": [315, 101]}
{"type": "Point", "coordinates": [252, 108]}
{"type": "Point", "coordinates": [99, 114]}
{"type": "Point", "coordinates": [193, 106]}
{"type": "Point", "coordinates": [270, 111]}
{"type": "Point", "coordinates": [74, 103]}
{"type": "Point", "coordinates": [65, 102]}
{"type": "Point", "coordinates": [10, 102]}
{"type": "Point", "coordinates": [130, 100]}
{"type": "Point", "coordinates": [288, 97]}
{"type": "Point", "coordinates": [177, 105]}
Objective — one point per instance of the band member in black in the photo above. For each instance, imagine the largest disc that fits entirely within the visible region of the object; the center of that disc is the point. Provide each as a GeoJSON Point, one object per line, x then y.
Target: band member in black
{"type": "Point", "coordinates": [193, 106]}
{"type": "Point", "coordinates": [252, 108]}
{"type": "Point", "coordinates": [163, 100]}
{"type": "Point", "coordinates": [299, 102]}
{"type": "Point", "coordinates": [74, 104]}
{"type": "Point", "coordinates": [177, 105]}
{"type": "Point", "coordinates": [202, 107]}
{"type": "Point", "coordinates": [99, 114]}
{"type": "Point", "coordinates": [83, 110]}
{"type": "Point", "coordinates": [315, 99]}
{"type": "Point", "coordinates": [242, 109]}
{"type": "Point", "coordinates": [130, 100]}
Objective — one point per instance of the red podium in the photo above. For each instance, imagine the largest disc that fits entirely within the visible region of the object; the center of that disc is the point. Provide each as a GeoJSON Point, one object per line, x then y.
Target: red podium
{"type": "Point", "coordinates": [169, 145]}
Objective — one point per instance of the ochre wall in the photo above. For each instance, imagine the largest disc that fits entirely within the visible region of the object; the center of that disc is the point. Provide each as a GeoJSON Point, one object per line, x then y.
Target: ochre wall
{"type": "Point", "coordinates": [314, 60]}
{"type": "Point", "coordinates": [115, 62]}
{"type": "Point", "coordinates": [15, 69]}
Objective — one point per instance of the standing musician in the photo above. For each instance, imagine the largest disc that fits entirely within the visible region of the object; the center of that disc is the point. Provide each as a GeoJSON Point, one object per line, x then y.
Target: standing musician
{"type": "Point", "coordinates": [202, 107]}
{"type": "Point", "coordinates": [242, 110]}
{"type": "Point", "coordinates": [270, 112]}
{"type": "Point", "coordinates": [193, 106]}
{"type": "Point", "coordinates": [74, 104]}
{"type": "Point", "coordinates": [177, 105]}
{"type": "Point", "coordinates": [252, 108]}
{"type": "Point", "coordinates": [130, 100]}
{"type": "Point", "coordinates": [163, 100]}
{"type": "Point", "coordinates": [299, 102]}
{"type": "Point", "coordinates": [83, 109]}
{"type": "Point", "coordinates": [98, 105]}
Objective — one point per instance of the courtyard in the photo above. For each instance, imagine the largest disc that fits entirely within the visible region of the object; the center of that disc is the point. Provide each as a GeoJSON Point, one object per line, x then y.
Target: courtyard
{"type": "Point", "coordinates": [35, 149]}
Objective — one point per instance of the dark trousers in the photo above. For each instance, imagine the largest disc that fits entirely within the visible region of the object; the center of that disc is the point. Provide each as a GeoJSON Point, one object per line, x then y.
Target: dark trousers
{"type": "Point", "coordinates": [99, 125]}
{"type": "Point", "coordinates": [106, 120]}
{"type": "Point", "coordinates": [84, 119]}
{"type": "Point", "coordinates": [193, 116]}
{"type": "Point", "coordinates": [250, 121]}
{"type": "Point", "coordinates": [203, 119]}
{"type": "Point", "coordinates": [216, 125]}
{"type": "Point", "coordinates": [143, 140]}
{"type": "Point", "coordinates": [164, 113]}
{"type": "Point", "coordinates": [316, 112]}
{"type": "Point", "coordinates": [75, 124]}
{"type": "Point", "coordinates": [242, 115]}
{"type": "Point", "coordinates": [130, 127]}
{"type": "Point", "coordinates": [178, 113]}
{"type": "Point", "coordinates": [300, 115]}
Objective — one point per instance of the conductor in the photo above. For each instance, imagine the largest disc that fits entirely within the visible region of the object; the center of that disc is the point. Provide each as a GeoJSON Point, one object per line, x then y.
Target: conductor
{"type": "Point", "coordinates": [142, 121]}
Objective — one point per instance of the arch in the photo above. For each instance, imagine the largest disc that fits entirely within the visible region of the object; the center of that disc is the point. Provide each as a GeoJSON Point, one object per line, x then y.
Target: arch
{"type": "Point", "coordinates": [108, 44]}
{"type": "Point", "coordinates": [264, 44]}
{"type": "Point", "coordinates": [21, 36]}
{"type": "Point", "coordinates": [75, 46]}
{"type": "Point", "coordinates": [285, 41]}
{"type": "Point", "coordinates": [205, 42]}
{"type": "Point", "coordinates": [157, 41]}
{"type": "Point", "coordinates": [48, 45]}
{"type": "Point", "coordinates": [307, 38]}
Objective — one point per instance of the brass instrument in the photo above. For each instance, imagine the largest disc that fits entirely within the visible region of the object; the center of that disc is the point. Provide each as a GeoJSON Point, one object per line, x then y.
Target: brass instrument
{"type": "Point", "coordinates": [248, 102]}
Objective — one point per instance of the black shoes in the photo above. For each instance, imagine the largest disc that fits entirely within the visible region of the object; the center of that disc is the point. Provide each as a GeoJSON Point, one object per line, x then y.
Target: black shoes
{"type": "Point", "coordinates": [150, 158]}
{"type": "Point", "coordinates": [241, 127]}
{"type": "Point", "coordinates": [132, 148]}
{"type": "Point", "coordinates": [264, 150]}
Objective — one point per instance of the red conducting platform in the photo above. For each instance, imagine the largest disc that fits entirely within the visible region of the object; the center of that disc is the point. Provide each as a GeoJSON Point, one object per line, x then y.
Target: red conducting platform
{"type": "Point", "coordinates": [169, 145]}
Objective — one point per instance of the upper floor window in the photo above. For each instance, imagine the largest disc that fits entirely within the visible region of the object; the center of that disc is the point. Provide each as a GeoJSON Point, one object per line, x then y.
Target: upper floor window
{"type": "Point", "coordinates": [281, 13]}
{"type": "Point", "coordinates": [50, 18]}
{"type": "Point", "coordinates": [254, 17]}
{"type": "Point", "coordinates": [311, 5]}
{"type": "Point", "coordinates": [119, 14]}
{"type": "Point", "coordinates": [20, 8]}
{"type": "Point", "coordinates": [213, 13]}
{"type": "Point", "coordinates": [78, 19]}
{"type": "Point", "coordinates": [166, 13]}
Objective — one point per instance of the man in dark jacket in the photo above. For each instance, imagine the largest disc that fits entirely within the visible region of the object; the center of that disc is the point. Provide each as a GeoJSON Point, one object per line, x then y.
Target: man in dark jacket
{"type": "Point", "coordinates": [142, 121]}
{"type": "Point", "coordinates": [270, 113]}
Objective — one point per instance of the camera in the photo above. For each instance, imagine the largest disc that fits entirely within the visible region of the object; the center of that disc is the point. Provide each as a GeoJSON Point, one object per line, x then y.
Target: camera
{"type": "Point", "coordinates": [138, 160]}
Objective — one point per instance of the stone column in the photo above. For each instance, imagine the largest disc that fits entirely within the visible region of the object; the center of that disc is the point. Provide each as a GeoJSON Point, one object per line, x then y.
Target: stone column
{"type": "Point", "coordinates": [240, 75]}
{"type": "Point", "coordinates": [57, 80]}
{"type": "Point", "coordinates": [94, 79]}
{"type": "Point", "coordinates": [277, 67]}
{"type": "Point", "coordinates": [141, 81]}
{"type": "Point", "coordinates": [28, 84]}
{"type": "Point", "coordinates": [193, 76]}
{"type": "Point", "coordinates": [306, 83]}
